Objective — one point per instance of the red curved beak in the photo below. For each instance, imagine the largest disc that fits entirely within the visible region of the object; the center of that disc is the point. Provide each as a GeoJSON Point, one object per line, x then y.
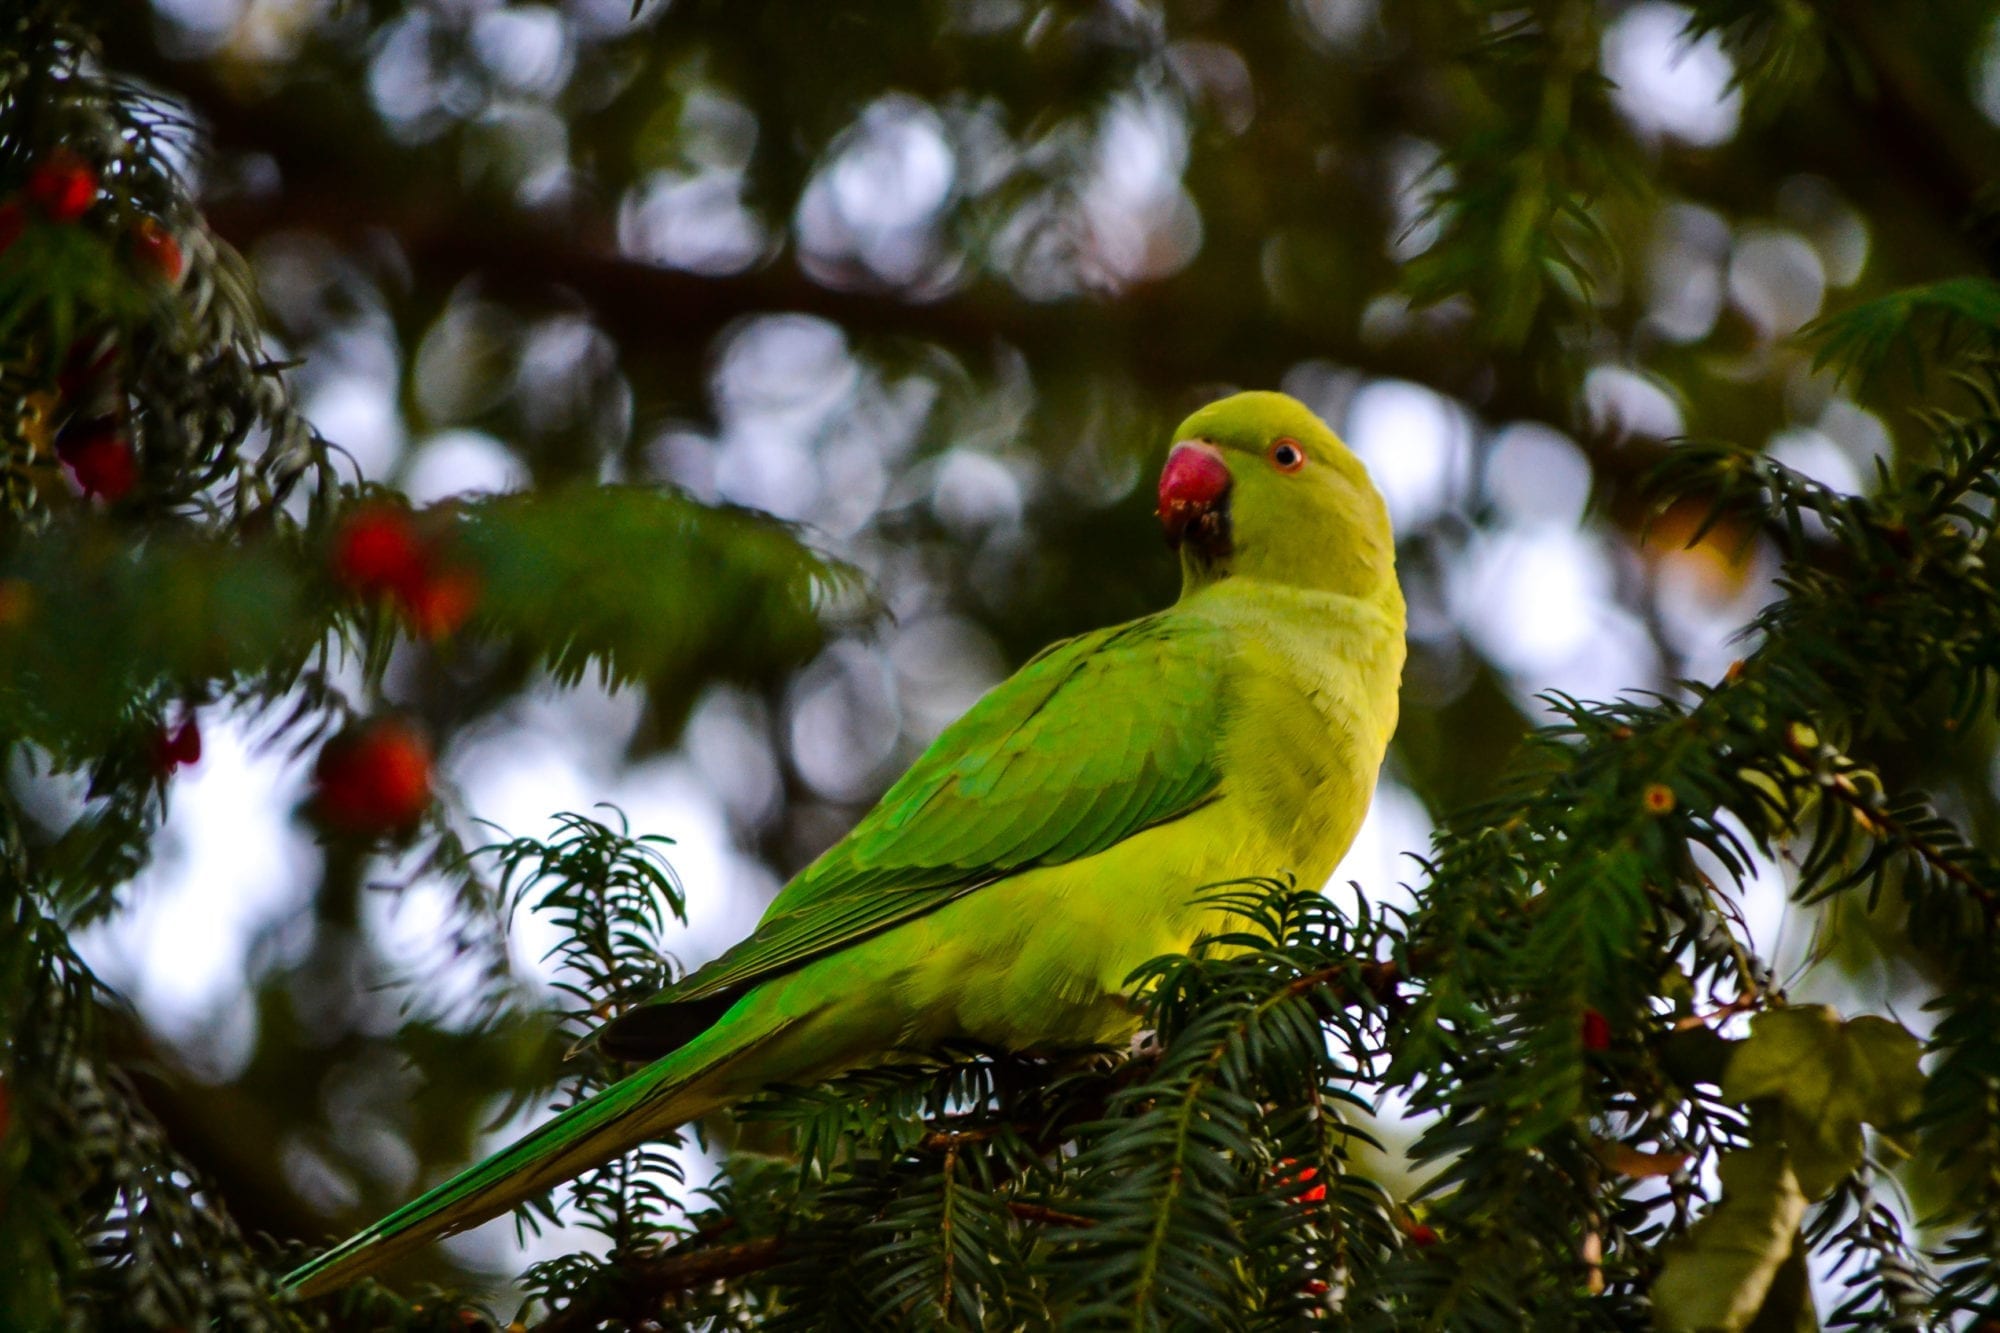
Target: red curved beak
{"type": "Point", "coordinates": [1192, 484]}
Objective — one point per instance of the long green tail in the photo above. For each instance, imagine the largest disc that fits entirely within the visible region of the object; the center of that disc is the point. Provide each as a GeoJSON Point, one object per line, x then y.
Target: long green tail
{"type": "Point", "coordinates": [667, 1093]}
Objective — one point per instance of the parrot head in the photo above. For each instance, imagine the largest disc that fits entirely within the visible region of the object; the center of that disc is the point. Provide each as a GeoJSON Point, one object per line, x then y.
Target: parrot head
{"type": "Point", "coordinates": [1256, 486]}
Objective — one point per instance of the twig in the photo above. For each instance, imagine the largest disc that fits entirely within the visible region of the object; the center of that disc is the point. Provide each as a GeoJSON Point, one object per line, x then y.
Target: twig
{"type": "Point", "coordinates": [947, 1140]}
{"type": "Point", "coordinates": [944, 1229]}
{"type": "Point", "coordinates": [1035, 1212]}
{"type": "Point", "coordinates": [672, 1272]}
{"type": "Point", "coordinates": [651, 1281]}
{"type": "Point", "coordinates": [1897, 833]}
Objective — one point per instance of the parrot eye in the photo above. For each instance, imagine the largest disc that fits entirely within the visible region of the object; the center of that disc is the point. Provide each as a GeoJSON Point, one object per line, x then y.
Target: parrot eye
{"type": "Point", "coordinates": [1286, 456]}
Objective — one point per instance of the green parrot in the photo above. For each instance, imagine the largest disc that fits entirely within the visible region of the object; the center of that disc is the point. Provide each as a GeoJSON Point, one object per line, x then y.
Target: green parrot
{"type": "Point", "coordinates": [1050, 841]}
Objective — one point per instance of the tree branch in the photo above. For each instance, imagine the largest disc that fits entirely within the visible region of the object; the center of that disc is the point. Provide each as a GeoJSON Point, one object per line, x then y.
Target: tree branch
{"type": "Point", "coordinates": [703, 1265]}
{"type": "Point", "coordinates": [1035, 1212]}
{"type": "Point", "coordinates": [670, 1273]}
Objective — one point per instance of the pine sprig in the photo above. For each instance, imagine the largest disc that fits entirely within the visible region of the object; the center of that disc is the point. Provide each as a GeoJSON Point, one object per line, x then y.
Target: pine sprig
{"type": "Point", "coordinates": [612, 896]}
{"type": "Point", "coordinates": [102, 1221]}
{"type": "Point", "coordinates": [1189, 1160]}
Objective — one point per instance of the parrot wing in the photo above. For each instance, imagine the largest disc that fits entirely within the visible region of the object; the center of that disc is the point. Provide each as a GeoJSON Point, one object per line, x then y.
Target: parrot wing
{"type": "Point", "coordinates": [1094, 739]}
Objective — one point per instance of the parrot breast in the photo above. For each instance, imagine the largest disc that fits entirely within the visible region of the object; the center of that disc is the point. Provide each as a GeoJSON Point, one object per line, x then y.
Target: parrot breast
{"type": "Point", "coordinates": [1041, 959]}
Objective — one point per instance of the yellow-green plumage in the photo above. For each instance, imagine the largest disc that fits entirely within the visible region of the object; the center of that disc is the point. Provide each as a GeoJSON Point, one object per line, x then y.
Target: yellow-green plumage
{"type": "Point", "coordinates": [1051, 841]}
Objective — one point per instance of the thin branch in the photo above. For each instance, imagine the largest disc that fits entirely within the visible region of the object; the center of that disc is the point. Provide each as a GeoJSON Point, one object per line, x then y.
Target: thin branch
{"type": "Point", "coordinates": [703, 1265]}
{"type": "Point", "coordinates": [1896, 832]}
{"type": "Point", "coordinates": [1054, 1217]}
{"type": "Point", "coordinates": [944, 1230]}
{"type": "Point", "coordinates": [672, 1272]}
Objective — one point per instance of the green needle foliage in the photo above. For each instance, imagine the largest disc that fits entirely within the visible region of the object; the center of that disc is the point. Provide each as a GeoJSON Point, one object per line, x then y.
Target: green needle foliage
{"type": "Point", "coordinates": [1563, 1090]}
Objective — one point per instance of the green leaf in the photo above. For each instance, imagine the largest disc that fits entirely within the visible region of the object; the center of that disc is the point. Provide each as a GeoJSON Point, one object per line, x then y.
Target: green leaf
{"type": "Point", "coordinates": [1829, 1077]}
{"type": "Point", "coordinates": [1727, 1274]}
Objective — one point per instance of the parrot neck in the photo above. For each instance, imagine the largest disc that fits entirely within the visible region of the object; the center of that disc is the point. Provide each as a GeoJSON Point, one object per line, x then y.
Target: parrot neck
{"type": "Point", "coordinates": [1226, 599]}
{"type": "Point", "coordinates": [1362, 570]}
{"type": "Point", "coordinates": [1345, 654]}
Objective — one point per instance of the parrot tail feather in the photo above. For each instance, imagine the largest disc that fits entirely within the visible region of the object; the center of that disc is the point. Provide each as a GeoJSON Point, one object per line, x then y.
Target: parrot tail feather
{"type": "Point", "coordinates": [646, 1104]}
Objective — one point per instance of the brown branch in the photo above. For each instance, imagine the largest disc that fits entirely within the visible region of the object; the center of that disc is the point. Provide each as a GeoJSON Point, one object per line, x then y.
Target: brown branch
{"type": "Point", "coordinates": [945, 1247]}
{"type": "Point", "coordinates": [1888, 827]}
{"type": "Point", "coordinates": [1378, 981]}
{"type": "Point", "coordinates": [670, 1273]}
{"type": "Point", "coordinates": [1035, 1212]}
{"type": "Point", "coordinates": [703, 1265]}
{"type": "Point", "coordinates": [945, 1140]}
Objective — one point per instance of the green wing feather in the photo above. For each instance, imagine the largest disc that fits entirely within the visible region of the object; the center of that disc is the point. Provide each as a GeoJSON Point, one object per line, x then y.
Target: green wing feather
{"type": "Point", "coordinates": [1094, 739]}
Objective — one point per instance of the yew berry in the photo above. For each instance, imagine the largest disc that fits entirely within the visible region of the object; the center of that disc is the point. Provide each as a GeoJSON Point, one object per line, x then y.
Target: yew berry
{"type": "Point", "coordinates": [373, 779]}
{"type": "Point", "coordinates": [441, 602]}
{"type": "Point", "coordinates": [102, 462]}
{"type": "Point", "coordinates": [179, 747]}
{"type": "Point", "coordinates": [377, 550]}
{"type": "Point", "coordinates": [156, 250]}
{"type": "Point", "coordinates": [1314, 1194]}
{"type": "Point", "coordinates": [63, 185]}
{"type": "Point", "coordinates": [1596, 1031]}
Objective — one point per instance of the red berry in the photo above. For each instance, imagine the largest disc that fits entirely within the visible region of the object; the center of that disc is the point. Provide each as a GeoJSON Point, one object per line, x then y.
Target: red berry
{"type": "Point", "coordinates": [63, 185]}
{"type": "Point", "coordinates": [156, 250]}
{"type": "Point", "coordinates": [441, 602]}
{"type": "Point", "coordinates": [374, 778]}
{"type": "Point", "coordinates": [13, 221]}
{"type": "Point", "coordinates": [182, 746]}
{"type": "Point", "coordinates": [1596, 1031]}
{"type": "Point", "coordinates": [377, 550]}
{"type": "Point", "coordinates": [1421, 1236]}
{"type": "Point", "coordinates": [1316, 1194]}
{"type": "Point", "coordinates": [102, 462]}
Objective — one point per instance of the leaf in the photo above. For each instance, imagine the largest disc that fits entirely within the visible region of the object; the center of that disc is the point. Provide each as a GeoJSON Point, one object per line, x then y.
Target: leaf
{"type": "Point", "coordinates": [1724, 1274]}
{"type": "Point", "coordinates": [1829, 1077]}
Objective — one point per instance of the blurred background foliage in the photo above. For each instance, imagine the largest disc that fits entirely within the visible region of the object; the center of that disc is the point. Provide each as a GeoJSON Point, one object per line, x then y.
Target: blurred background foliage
{"type": "Point", "coordinates": [931, 280]}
